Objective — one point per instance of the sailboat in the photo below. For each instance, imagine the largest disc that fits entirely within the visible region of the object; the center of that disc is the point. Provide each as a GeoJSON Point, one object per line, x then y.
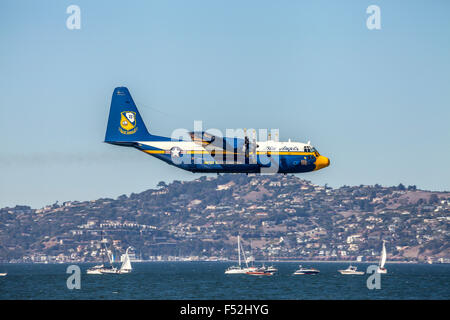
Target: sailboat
{"type": "Point", "coordinates": [126, 264]}
{"type": "Point", "coordinates": [101, 269]}
{"type": "Point", "coordinates": [96, 269]}
{"type": "Point", "coordinates": [381, 268]}
{"type": "Point", "coordinates": [239, 269]}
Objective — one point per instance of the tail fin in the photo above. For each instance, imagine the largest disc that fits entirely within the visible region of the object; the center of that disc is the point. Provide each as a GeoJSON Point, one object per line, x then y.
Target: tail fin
{"type": "Point", "coordinates": [125, 125]}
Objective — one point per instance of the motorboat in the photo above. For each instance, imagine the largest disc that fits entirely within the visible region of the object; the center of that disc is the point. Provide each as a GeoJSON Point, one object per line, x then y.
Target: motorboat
{"type": "Point", "coordinates": [271, 269]}
{"type": "Point", "coordinates": [303, 270]}
{"type": "Point", "coordinates": [259, 272]}
{"type": "Point", "coordinates": [351, 270]}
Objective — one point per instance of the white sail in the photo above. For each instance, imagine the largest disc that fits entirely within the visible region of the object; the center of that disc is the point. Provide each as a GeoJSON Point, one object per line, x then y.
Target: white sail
{"type": "Point", "coordinates": [250, 258]}
{"type": "Point", "coordinates": [383, 256]}
{"type": "Point", "coordinates": [126, 264]}
{"type": "Point", "coordinates": [110, 256]}
{"type": "Point", "coordinates": [239, 251]}
{"type": "Point", "coordinates": [245, 259]}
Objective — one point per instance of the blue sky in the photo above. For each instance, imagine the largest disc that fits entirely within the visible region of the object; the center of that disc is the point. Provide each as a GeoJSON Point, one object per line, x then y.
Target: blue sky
{"type": "Point", "coordinates": [376, 102]}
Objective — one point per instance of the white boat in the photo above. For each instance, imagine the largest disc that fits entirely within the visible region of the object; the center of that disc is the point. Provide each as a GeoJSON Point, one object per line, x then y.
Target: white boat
{"type": "Point", "coordinates": [259, 272]}
{"type": "Point", "coordinates": [124, 268]}
{"type": "Point", "coordinates": [302, 270]}
{"type": "Point", "coordinates": [235, 270]}
{"type": "Point", "coordinates": [95, 269]}
{"type": "Point", "coordinates": [111, 270]}
{"type": "Point", "coordinates": [239, 269]}
{"type": "Point", "coordinates": [351, 270]}
{"type": "Point", "coordinates": [101, 269]}
{"type": "Point", "coordinates": [381, 268]}
{"type": "Point", "coordinates": [271, 269]}
{"type": "Point", "coordinates": [3, 274]}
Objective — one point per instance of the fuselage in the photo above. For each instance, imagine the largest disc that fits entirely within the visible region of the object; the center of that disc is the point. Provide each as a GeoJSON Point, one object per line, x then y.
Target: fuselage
{"type": "Point", "coordinates": [281, 157]}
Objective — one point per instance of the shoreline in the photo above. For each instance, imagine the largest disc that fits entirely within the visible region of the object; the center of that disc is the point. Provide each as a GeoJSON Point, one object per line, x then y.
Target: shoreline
{"type": "Point", "coordinates": [231, 261]}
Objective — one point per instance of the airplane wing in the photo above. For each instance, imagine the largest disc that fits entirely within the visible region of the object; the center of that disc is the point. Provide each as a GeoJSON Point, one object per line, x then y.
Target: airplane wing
{"type": "Point", "coordinates": [211, 142]}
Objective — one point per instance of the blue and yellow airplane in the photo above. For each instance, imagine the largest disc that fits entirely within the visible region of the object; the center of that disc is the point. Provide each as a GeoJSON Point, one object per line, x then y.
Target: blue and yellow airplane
{"type": "Point", "coordinates": [204, 152]}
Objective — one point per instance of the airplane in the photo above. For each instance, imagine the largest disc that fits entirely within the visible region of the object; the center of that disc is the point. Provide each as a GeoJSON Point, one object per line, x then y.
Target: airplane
{"type": "Point", "coordinates": [204, 152]}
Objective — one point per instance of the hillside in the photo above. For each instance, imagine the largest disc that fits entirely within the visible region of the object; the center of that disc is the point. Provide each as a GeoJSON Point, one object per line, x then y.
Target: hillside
{"type": "Point", "coordinates": [281, 217]}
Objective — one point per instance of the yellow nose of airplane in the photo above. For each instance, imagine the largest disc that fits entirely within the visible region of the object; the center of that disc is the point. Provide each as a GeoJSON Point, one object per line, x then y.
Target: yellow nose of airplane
{"type": "Point", "coordinates": [322, 162]}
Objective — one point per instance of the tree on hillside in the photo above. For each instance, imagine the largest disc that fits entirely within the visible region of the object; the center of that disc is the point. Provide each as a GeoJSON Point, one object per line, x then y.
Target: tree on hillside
{"type": "Point", "coordinates": [433, 199]}
{"type": "Point", "coordinates": [161, 184]}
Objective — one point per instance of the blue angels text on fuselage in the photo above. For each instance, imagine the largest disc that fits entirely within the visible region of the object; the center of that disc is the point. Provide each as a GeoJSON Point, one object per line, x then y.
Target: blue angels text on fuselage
{"type": "Point", "coordinates": [204, 152]}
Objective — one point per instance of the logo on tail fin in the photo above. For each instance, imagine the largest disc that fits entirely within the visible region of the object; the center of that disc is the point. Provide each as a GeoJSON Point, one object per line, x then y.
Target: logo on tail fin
{"type": "Point", "coordinates": [128, 122]}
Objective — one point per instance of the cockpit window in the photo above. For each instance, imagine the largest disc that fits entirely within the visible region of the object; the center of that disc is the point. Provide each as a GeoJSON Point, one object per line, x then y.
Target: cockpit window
{"type": "Point", "coordinates": [310, 149]}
